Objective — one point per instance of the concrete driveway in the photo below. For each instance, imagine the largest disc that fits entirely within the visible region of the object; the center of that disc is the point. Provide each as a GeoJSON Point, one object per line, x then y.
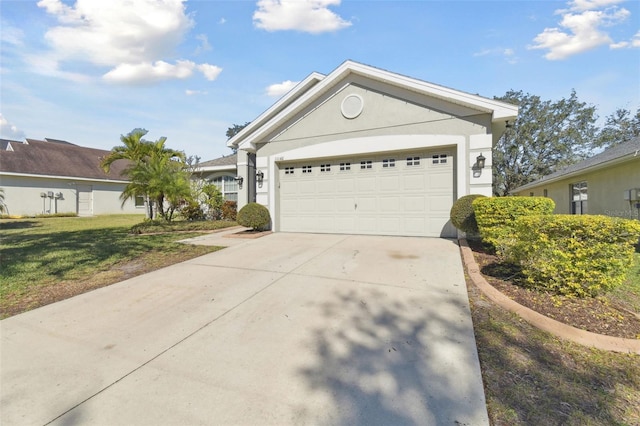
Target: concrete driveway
{"type": "Point", "coordinates": [284, 329]}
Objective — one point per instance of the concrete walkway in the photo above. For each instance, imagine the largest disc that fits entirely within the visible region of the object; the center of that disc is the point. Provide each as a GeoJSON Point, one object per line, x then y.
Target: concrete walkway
{"type": "Point", "coordinates": [284, 329]}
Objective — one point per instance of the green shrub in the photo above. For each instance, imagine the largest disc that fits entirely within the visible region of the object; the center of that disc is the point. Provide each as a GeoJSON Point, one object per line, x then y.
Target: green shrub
{"type": "Point", "coordinates": [254, 215]}
{"type": "Point", "coordinates": [496, 218]}
{"type": "Point", "coordinates": [229, 210]}
{"type": "Point", "coordinates": [191, 210]}
{"type": "Point", "coordinates": [575, 255]}
{"type": "Point", "coordinates": [462, 215]}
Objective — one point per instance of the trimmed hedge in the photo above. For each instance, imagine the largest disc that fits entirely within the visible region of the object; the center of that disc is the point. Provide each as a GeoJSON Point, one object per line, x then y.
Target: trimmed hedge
{"type": "Point", "coordinates": [496, 218]}
{"type": "Point", "coordinates": [254, 215]}
{"type": "Point", "coordinates": [462, 215]}
{"type": "Point", "coordinates": [575, 255]}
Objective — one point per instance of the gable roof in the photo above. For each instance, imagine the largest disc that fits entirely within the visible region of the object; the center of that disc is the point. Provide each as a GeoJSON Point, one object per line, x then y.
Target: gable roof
{"type": "Point", "coordinates": [225, 162]}
{"type": "Point", "coordinates": [54, 158]}
{"type": "Point", "coordinates": [622, 152]}
{"type": "Point", "coordinates": [316, 85]}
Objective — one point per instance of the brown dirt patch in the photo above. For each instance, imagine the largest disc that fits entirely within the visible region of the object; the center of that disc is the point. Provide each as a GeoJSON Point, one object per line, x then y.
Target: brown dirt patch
{"type": "Point", "coordinates": [598, 315]}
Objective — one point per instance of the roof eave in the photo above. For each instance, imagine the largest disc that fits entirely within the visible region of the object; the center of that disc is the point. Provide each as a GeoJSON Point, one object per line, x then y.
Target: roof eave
{"type": "Point", "coordinates": [285, 108]}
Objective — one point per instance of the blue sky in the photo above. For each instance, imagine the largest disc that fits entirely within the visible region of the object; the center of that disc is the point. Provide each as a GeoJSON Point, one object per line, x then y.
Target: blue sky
{"type": "Point", "coordinates": [88, 71]}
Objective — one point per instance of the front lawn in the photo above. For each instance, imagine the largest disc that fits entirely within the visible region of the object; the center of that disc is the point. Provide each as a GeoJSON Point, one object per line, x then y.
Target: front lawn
{"type": "Point", "coordinates": [49, 259]}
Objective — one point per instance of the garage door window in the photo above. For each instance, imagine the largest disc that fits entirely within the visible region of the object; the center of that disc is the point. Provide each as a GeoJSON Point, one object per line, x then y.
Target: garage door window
{"type": "Point", "coordinates": [306, 169]}
{"type": "Point", "coordinates": [439, 159]}
{"type": "Point", "coordinates": [368, 164]}
{"type": "Point", "coordinates": [325, 168]}
{"type": "Point", "coordinates": [345, 166]}
{"type": "Point", "coordinates": [288, 170]}
{"type": "Point", "coordinates": [413, 161]}
{"type": "Point", "coordinates": [388, 163]}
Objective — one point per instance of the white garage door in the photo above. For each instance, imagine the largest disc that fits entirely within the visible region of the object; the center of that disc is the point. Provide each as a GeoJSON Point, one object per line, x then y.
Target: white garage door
{"type": "Point", "coordinates": [392, 194]}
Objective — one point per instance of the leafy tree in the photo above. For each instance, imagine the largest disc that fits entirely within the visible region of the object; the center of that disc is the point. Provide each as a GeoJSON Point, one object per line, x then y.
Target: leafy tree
{"type": "Point", "coordinates": [235, 129]}
{"type": "Point", "coordinates": [620, 127]}
{"type": "Point", "coordinates": [546, 136]}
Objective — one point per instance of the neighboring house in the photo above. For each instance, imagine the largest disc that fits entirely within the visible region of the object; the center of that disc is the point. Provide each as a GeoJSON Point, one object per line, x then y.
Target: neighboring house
{"type": "Point", "coordinates": [367, 151]}
{"type": "Point", "coordinates": [607, 183]}
{"type": "Point", "coordinates": [221, 172]}
{"type": "Point", "coordinates": [53, 176]}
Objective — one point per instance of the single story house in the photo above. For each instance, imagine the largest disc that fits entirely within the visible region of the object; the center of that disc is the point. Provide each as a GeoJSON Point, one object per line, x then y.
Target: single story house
{"type": "Point", "coordinates": [367, 151]}
{"type": "Point", "coordinates": [606, 184]}
{"type": "Point", "coordinates": [53, 176]}
{"type": "Point", "coordinates": [222, 172]}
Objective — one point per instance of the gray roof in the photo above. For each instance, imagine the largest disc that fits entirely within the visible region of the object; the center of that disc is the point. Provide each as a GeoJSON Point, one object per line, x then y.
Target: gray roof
{"type": "Point", "coordinates": [628, 149]}
{"type": "Point", "coordinates": [229, 160]}
{"type": "Point", "coordinates": [52, 157]}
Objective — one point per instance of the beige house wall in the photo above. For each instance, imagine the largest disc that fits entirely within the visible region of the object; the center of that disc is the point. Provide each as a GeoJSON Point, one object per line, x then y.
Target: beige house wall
{"type": "Point", "coordinates": [605, 190]}
{"type": "Point", "coordinates": [22, 196]}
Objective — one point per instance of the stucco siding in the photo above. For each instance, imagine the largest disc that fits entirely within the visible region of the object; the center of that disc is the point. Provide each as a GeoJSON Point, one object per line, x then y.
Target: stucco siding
{"type": "Point", "coordinates": [382, 114]}
{"type": "Point", "coordinates": [22, 196]}
{"type": "Point", "coordinates": [604, 188]}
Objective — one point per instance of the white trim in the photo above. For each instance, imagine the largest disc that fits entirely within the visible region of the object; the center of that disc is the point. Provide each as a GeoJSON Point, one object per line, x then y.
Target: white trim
{"type": "Point", "coordinates": [287, 107]}
{"type": "Point", "coordinates": [229, 167]}
{"type": "Point", "coordinates": [30, 175]}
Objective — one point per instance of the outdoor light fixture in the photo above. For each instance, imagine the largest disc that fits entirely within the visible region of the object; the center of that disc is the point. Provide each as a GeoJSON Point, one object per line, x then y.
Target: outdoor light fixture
{"type": "Point", "coordinates": [480, 161]}
{"type": "Point", "coordinates": [509, 125]}
{"type": "Point", "coordinates": [239, 179]}
{"type": "Point", "coordinates": [259, 176]}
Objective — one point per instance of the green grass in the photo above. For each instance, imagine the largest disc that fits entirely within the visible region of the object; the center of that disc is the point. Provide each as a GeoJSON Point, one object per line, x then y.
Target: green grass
{"type": "Point", "coordinates": [45, 253]}
{"type": "Point", "coordinates": [628, 294]}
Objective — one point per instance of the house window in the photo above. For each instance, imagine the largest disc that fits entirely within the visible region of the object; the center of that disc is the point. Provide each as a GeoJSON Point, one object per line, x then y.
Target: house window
{"type": "Point", "coordinates": [439, 159]}
{"type": "Point", "coordinates": [345, 166]}
{"type": "Point", "coordinates": [579, 198]}
{"type": "Point", "coordinates": [366, 164]}
{"type": "Point", "coordinates": [139, 201]}
{"type": "Point", "coordinates": [228, 186]}
{"type": "Point", "coordinates": [413, 161]}
{"type": "Point", "coordinates": [306, 169]}
{"type": "Point", "coordinates": [288, 170]}
{"type": "Point", "coordinates": [391, 162]}
{"type": "Point", "coordinates": [545, 193]}
{"type": "Point", "coordinates": [325, 167]}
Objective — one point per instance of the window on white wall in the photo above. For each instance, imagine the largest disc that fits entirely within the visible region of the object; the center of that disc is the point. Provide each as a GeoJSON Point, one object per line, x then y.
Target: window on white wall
{"type": "Point", "coordinates": [139, 201]}
{"type": "Point", "coordinates": [579, 198]}
{"type": "Point", "coordinates": [228, 185]}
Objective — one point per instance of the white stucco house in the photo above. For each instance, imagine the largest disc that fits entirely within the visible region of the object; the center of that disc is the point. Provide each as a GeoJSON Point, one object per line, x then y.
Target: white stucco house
{"type": "Point", "coordinates": [53, 176]}
{"type": "Point", "coordinates": [367, 151]}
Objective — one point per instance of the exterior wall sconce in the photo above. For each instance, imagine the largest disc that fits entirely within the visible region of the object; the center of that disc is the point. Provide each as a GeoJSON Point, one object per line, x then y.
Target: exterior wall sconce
{"type": "Point", "coordinates": [259, 177]}
{"type": "Point", "coordinates": [478, 166]}
{"type": "Point", "coordinates": [239, 179]}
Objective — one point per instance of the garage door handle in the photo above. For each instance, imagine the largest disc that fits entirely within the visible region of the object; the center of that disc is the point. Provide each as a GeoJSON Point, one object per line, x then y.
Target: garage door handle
{"type": "Point", "coordinates": [356, 206]}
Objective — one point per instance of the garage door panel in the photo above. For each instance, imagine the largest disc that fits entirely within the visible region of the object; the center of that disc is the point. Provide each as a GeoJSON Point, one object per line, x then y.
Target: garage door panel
{"type": "Point", "coordinates": [407, 199]}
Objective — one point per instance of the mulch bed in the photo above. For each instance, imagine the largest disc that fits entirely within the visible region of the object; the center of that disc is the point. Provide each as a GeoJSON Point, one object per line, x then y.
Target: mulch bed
{"type": "Point", "coordinates": [598, 315]}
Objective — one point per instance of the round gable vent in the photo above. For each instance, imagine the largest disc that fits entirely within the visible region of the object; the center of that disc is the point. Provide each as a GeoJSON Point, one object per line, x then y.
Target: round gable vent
{"type": "Point", "coordinates": [352, 106]}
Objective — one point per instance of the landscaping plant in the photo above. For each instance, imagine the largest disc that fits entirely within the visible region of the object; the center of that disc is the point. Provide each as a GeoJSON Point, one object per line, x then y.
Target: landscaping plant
{"type": "Point", "coordinates": [254, 215]}
{"type": "Point", "coordinates": [575, 255]}
{"type": "Point", "coordinates": [462, 215]}
{"type": "Point", "coordinates": [496, 217]}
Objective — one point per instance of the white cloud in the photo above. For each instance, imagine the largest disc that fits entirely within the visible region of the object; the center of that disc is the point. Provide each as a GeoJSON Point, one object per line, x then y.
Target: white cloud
{"type": "Point", "coordinates": [210, 72]}
{"type": "Point", "coordinates": [580, 31]}
{"type": "Point", "coordinates": [194, 92]}
{"type": "Point", "coordinates": [204, 43]}
{"type": "Point", "coordinates": [9, 130]}
{"type": "Point", "coordinates": [11, 35]}
{"type": "Point", "coordinates": [508, 54]}
{"type": "Point", "coordinates": [311, 16]}
{"type": "Point", "coordinates": [582, 5]}
{"type": "Point", "coordinates": [130, 37]}
{"type": "Point", "coordinates": [280, 89]}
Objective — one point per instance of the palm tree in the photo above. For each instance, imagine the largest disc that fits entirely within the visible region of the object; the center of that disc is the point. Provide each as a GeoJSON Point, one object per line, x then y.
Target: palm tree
{"type": "Point", "coordinates": [149, 167]}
